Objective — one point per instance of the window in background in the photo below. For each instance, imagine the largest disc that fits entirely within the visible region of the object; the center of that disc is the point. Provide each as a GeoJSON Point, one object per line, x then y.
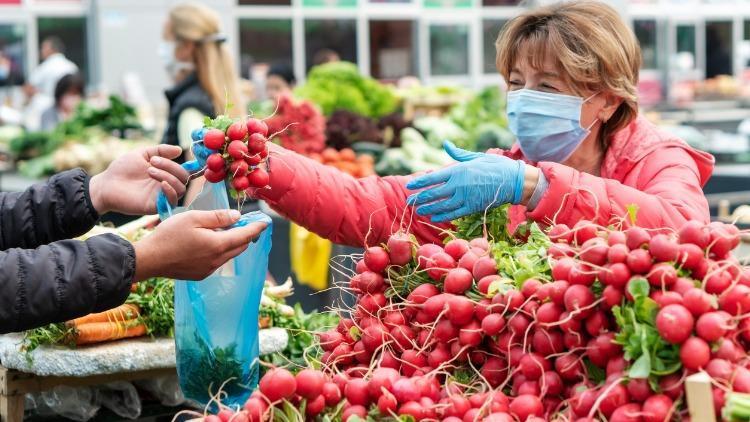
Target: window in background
{"type": "Point", "coordinates": [72, 32]}
{"type": "Point", "coordinates": [500, 2]}
{"type": "Point", "coordinates": [645, 31]}
{"type": "Point", "coordinates": [339, 35]}
{"type": "Point", "coordinates": [686, 49]}
{"type": "Point", "coordinates": [718, 49]}
{"type": "Point", "coordinates": [13, 49]}
{"type": "Point", "coordinates": [265, 2]}
{"type": "Point", "coordinates": [491, 29]}
{"type": "Point", "coordinates": [449, 50]}
{"type": "Point", "coordinates": [390, 1]}
{"type": "Point", "coordinates": [265, 41]}
{"type": "Point", "coordinates": [393, 51]}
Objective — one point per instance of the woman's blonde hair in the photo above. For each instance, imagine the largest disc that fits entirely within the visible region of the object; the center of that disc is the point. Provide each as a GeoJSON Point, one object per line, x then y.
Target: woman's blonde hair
{"type": "Point", "coordinates": [213, 61]}
{"type": "Point", "coordinates": [594, 50]}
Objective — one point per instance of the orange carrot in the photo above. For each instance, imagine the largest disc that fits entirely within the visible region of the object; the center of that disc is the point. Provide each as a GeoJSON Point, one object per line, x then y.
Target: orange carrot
{"type": "Point", "coordinates": [97, 332]}
{"type": "Point", "coordinates": [123, 312]}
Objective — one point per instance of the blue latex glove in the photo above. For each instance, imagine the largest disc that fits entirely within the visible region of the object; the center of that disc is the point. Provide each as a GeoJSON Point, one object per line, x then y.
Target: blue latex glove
{"type": "Point", "coordinates": [478, 182]}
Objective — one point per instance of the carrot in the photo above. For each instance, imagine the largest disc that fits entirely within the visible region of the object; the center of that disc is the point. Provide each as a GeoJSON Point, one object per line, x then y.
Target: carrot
{"type": "Point", "coordinates": [97, 332]}
{"type": "Point", "coordinates": [347, 154]}
{"type": "Point", "coordinates": [121, 313]}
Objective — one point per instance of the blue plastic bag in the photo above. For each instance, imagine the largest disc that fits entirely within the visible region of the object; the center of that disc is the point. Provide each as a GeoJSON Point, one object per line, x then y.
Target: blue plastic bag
{"type": "Point", "coordinates": [216, 319]}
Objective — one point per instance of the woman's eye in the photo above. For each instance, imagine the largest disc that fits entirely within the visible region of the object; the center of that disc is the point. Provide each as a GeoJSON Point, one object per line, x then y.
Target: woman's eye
{"type": "Point", "coordinates": [548, 87]}
{"type": "Point", "coordinates": [515, 84]}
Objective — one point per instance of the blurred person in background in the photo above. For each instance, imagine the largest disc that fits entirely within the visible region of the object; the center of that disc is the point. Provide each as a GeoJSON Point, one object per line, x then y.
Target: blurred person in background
{"type": "Point", "coordinates": [279, 81]}
{"type": "Point", "coordinates": [40, 88]}
{"type": "Point", "coordinates": [45, 276]}
{"type": "Point", "coordinates": [69, 93]}
{"type": "Point", "coordinates": [200, 65]}
{"type": "Point", "coordinates": [324, 56]}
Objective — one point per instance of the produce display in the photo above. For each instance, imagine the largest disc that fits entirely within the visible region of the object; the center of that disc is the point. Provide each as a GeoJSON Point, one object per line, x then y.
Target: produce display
{"type": "Point", "coordinates": [347, 161]}
{"type": "Point", "coordinates": [340, 86]}
{"type": "Point", "coordinates": [345, 128]}
{"type": "Point", "coordinates": [414, 155]}
{"type": "Point", "coordinates": [299, 125]}
{"type": "Point", "coordinates": [584, 323]}
{"type": "Point", "coordinates": [236, 150]}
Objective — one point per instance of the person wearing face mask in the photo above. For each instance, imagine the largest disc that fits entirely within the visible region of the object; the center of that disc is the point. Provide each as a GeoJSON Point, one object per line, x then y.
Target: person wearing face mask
{"type": "Point", "coordinates": [68, 94]}
{"type": "Point", "coordinates": [200, 65]}
{"type": "Point", "coordinates": [582, 150]}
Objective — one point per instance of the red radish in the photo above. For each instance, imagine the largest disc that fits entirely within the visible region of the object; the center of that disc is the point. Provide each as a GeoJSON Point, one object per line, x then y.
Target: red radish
{"type": "Point", "coordinates": [736, 300]}
{"type": "Point", "coordinates": [483, 267]}
{"type": "Point", "coordinates": [481, 243]}
{"type": "Point", "coordinates": [387, 403]}
{"type": "Point", "coordinates": [712, 326]}
{"type": "Point", "coordinates": [371, 303]}
{"type": "Point", "coordinates": [331, 393]}
{"type": "Point", "coordinates": [718, 283]}
{"type": "Point", "coordinates": [561, 269]}
{"type": "Point", "coordinates": [422, 292]}
{"type": "Point", "coordinates": [674, 323]}
{"type": "Point", "coordinates": [359, 411]}
{"type": "Point", "coordinates": [277, 384]}
{"type": "Point", "coordinates": [356, 392]}
{"type": "Point", "coordinates": [529, 387]}
{"type": "Point", "coordinates": [257, 126]}
{"type": "Point", "coordinates": [560, 251]}
{"type": "Point", "coordinates": [719, 369]}
{"type": "Point", "coordinates": [214, 176]}
{"type": "Point", "coordinates": [445, 331]}
{"type": "Point", "coordinates": [215, 162]}
{"type": "Point", "coordinates": [612, 297]}
{"type": "Point", "coordinates": [412, 360]}
{"type": "Point", "coordinates": [330, 339]}
{"type": "Point", "coordinates": [238, 168]}
{"type": "Point", "coordinates": [376, 259]}
{"type": "Point", "coordinates": [370, 282]}
{"type": "Point", "coordinates": [342, 354]}
{"type": "Point", "coordinates": [426, 251]}
{"type": "Point", "coordinates": [594, 251]}
{"type": "Point", "coordinates": [257, 405]}
{"type": "Point", "coordinates": [617, 275]}
{"type": "Point", "coordinates": [399, 248]}
{"type": "Point", "coordinates": [666, 298]}
{"type": "Point", "coordinates": [361, 267]}
{"type": "Point", "coordinates": [530, 287]}
{"type": "Point", "coordinates": [560, 233]}
{"type": "Point", "coordinates": [533, 365]}
{"type": "Point", "coordinates": [518, 324]}
{"type": "Point", "coordinates": [741, 380]}
{"type": "Point", "coordinates": [457, 248]}
{"type": "Point", "coordinates": [526, 405]}
{"type": "Point", "coordinates": [382, 378]}
{"type": "Point", "coordinates": [635, 237]}
{"type": "Point", "coordinates": [583, 400]}
{"type": "Point", "coordinates": [405, 390]}
{"type": "Point", "coordinates": [577, 297]}
{"type": "Point", "coordinates": [374, 336]}
{"type": "Point", "coordinates": [618, 253]}
{"type": "Point", "coordinates": [315, 406]}
{"type": "Point", "coordinates": [435, 305]}
{"type": "Point", "coordinates": [690, 256]}
{"type": "Point", "coordinates": [403, 336]}
{"type": "Point", "coordinates": [484, 284]}
{"type": "Point", "coordinates": [583, 231]}
{"type": "Point", "coordinates": [438, 356]}
{"type": "Point", "coordinates": [310, 383]}
{"type": "Point", "coordinates": [729, 350]}
{"type": "Point", "coordinates": [552, 382]}
{"type": "Point", "coordinates": [492, 324]}
{"type": "Point", "coordinates": [457, 281]}
{"type": "Point", "coordinates": [460, 310]}
{"type": "Point", "coordinates": [214, 139]}
{"type": "Point", "coordinates": [212, 418]}
{"type": "Point", "coordinates": [694, 232]}
{"type": "Point", "coordinates": [468, 260]}
{"type": "Point", "coordinates": [256, 143]}
{"type": "Point", "coordinates": [388, 360]}
{"type": "Point", "coordinates": [470, 334]}
{"type": "Point", "coordinates": [439, 265]}
{"type": "Point", "coordinates": [582, 274]}
{"type": "Point", "coordinates": [237, 131]}
{"type": "Point", "coordinates": [548, 313]}
{"type": "Point", "coordinates": [494, 370]}
{"type": "Point", "coordinates": [616, 238]}
{"type": "Point", "coordinates": [457, 406]}
{"type": "Point", "coordinates": [639, 261]}
{"type": "Point", "coordinates": [630, 412]}
{"type": "Point", "coordinates": [237, 150]}
{"type": "Point", "coordinates": [695, 353]}
{"type": "Point", "coordinates": [596, 323]}
{"type": "Point", "coordinates": [569, 367]}
{"type": "Point", "coordinates": [697, 301]}
{"type": "Point", "coordinates": [394, 318]}
{"type": "Point", "coordinates": [557, 291]}
{"type": "Point", "coordinates": [663, 249]}
{"type": "Point", "coordinates": [683, 285]}
{"type": "Point", "coordinates": [657, 408]}
{"type": "Point", "coordinates": [615, 397]}
{"type": "Point", "coordinates": [253, 160]}
{"type": "Point", "coordinates": [639, 389]}
{"type": "Point", "coordinates": [258, 178]}
{"type": "Point", "coordinates": [662, 275]}
{"type": "Point", "coordinates": [459, 352]}
{"type": "Point", "coordinates": [240, 183]}
{"type": "Point", "coordinates": [413, 409]}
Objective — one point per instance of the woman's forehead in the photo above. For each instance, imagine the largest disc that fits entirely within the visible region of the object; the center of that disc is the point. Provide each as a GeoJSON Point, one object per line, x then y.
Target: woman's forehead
{"type": "Point", "coordinates": [527, 64]}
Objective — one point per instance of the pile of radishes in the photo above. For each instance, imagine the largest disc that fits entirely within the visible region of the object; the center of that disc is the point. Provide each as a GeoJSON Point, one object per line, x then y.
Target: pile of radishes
{"type": "Point", "coordinates": [237, 154]}
{"type": "Point", "coordinates": [467, 343]}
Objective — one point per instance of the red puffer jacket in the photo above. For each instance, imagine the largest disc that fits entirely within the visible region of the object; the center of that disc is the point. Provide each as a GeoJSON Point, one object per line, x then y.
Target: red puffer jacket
{"type": "Point", "coordinates": [644, 166]}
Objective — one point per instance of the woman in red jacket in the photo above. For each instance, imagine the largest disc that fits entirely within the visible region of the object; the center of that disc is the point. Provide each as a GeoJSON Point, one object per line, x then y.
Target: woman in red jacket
{"type": "Point", "coordinates": [582, 150]}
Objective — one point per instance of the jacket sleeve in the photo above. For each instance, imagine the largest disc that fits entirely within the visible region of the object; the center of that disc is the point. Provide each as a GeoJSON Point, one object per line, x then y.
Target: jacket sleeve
{"type": "Point", "coordinates": [669, 193]}
{"type": "Point", "coordinates": [337, 206]}
{"type": "Point", "coordinates": [63, 280]}
{"type": "Point", "coordinates": [46, 212]}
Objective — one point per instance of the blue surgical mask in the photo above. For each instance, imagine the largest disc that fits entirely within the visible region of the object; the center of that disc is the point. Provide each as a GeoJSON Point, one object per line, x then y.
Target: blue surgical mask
{"type": "Point", "coordinates": [547, 126]}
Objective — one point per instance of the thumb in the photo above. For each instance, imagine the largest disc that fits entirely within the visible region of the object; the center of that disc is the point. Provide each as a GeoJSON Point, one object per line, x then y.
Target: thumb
{"type": "Point", "coordinates": [216, 219]}
{"type": "Point", "coordinates": [457, 153]}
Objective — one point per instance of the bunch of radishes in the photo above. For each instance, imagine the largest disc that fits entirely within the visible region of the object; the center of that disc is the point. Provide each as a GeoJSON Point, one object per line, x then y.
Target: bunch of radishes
{"type": "Point", "coordinates": [237, 155]}
{"type": "Point", "coordinates": [300, 126]}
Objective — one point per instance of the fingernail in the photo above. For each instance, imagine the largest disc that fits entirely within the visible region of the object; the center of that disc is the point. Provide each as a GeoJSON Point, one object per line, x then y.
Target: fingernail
{"type": "Point", "coordinates": [234, 214]}
{"type": "Point", "coordinates": [155, 160]}
{"type": "Point", "coordinates": [152, 171]}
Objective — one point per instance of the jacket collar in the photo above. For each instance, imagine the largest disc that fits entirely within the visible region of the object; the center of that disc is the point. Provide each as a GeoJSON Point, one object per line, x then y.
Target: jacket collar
{"type": "Point", "coordinates": [182, 86]}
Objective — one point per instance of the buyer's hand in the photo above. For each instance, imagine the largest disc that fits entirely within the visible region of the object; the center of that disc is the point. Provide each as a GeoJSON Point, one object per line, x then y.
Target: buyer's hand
{"type": "Point", "coordinates": [478, 182]}
{"type": "Point", "coordinates": [191, 245]}
{"type": "Point", "coordinates": [130, 184]}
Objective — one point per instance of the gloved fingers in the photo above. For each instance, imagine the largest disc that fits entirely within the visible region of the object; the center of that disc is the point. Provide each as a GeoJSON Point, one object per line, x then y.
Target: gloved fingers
{"type": "Point", "coordinates": [429, 179]}
{"type": "Point", "coordinates": [457, 153]}
{"type": "Point", "coordinates": [451, 215]}
{"type": "Point", "coordinates": [440, 207]}
{"type": "Point", "coordinates": [430, 195]}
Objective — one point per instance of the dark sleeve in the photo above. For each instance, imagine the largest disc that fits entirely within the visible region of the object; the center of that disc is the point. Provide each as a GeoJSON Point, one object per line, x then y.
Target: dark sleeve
{"type": "Point", "coordinates": [63, 280]}
{"type": "Point", "coordinates": [46, 212]}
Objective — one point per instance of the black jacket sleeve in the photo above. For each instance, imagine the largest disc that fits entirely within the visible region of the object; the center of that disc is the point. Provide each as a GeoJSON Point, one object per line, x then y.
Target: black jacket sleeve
{"type": "Point", "coordinates": [63, 280]}
{"type": "Point", "coordinates": [46, 212]}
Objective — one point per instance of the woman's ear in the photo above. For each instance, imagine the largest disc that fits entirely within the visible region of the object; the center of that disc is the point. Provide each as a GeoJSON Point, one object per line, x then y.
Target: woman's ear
{"type": "Point", "coordinates": [611, 103]}
{"type": "Point", "coordinates": [185, 51]}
